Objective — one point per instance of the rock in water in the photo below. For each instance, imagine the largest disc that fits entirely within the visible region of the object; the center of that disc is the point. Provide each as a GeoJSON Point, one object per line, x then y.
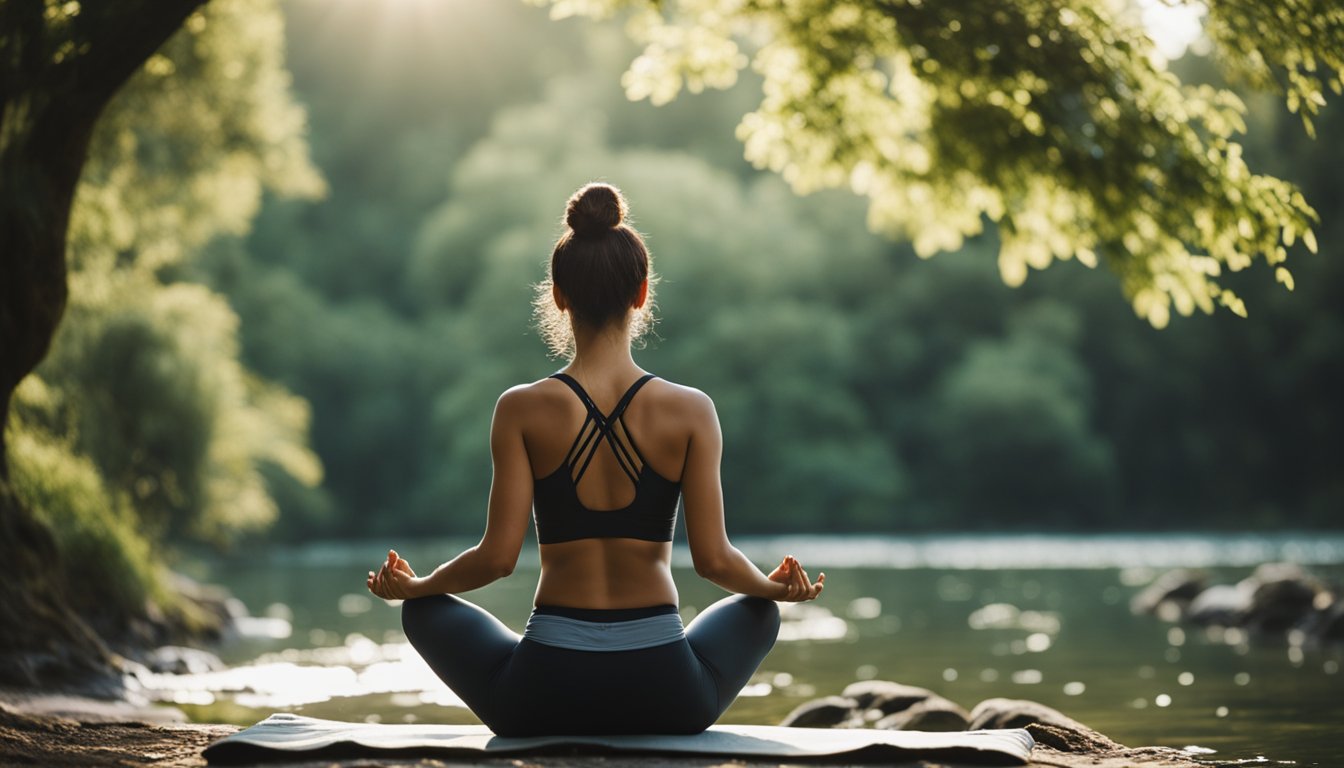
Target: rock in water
{"type": "Point", "coordinates": [885, 696]}
{"type": "Point", "coordinates": [1062, 732]}
{"type": "Point", "coordinates": [1282, 595]}
{"type": "Point", "coordinates": [1327, 625]}
{"type": "Point", "coordinates": [1222, 604]}
{"type": "Point", "coordinates": [826, 712]}
{"type": "Point", "coordinates": [932, 714]}
{"type": "Point", "coordinates": [1177, 586]}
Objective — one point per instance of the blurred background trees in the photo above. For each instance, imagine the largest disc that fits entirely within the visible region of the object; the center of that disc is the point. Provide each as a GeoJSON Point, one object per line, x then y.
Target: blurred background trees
{"type": "Point", "coordinates": [860, 387]}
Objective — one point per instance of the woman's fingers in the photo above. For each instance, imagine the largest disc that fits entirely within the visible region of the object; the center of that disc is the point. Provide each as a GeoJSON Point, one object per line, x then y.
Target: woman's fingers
{"type": "Point", "coordinates": [818, 586]}
{"type": "Point", "coordinates": [798, 586]}
{"type": "Point", "coordinates": [806, 589]}
{"type": "Point", "coordinates": [399, 582]}
{"type": "Point", "coordinates": [801, 587]}
{"type": "Point", "coordinates": [379, 582]}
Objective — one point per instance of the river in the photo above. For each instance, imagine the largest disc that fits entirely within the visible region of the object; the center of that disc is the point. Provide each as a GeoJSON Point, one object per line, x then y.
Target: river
{"type": "Point", "coordinates": [1042, 617]}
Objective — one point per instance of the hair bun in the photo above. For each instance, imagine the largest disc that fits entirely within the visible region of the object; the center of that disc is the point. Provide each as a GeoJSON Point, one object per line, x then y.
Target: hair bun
{"type": "Point", "coordinates": [594, 209]}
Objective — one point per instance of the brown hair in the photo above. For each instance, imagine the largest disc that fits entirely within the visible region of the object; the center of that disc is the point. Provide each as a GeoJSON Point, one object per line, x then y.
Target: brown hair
{"type": "Point", "coordinates": [598, 265]}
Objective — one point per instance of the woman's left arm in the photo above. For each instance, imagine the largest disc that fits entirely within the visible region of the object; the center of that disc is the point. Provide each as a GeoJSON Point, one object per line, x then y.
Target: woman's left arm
{"type": "Point", "coordinates": [506, 522]}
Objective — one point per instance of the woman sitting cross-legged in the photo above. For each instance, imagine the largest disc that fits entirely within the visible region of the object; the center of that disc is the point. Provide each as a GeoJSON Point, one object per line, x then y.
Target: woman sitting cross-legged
{"type": "Point", "coordinates": [598, 455]}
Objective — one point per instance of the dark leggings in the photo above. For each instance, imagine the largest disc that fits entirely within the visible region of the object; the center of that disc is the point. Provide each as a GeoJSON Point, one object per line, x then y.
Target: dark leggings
{"type": "Point", "coordinates": [520, 687]}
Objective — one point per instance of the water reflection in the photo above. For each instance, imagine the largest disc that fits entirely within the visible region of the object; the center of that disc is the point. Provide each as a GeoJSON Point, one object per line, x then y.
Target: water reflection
{"type": "Point", "coordinates": [1008, 616]}
{"type": "Point", "coordinates": [810, 622]}
{"type": "Point", "coordinates": [294, 677]}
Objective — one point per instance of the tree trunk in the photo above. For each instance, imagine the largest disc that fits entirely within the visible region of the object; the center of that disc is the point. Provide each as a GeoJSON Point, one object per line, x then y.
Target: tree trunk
{"type": "Point", "coordinates": [54, 83]}
{"type": "Point", "coordinates": [41, 638]}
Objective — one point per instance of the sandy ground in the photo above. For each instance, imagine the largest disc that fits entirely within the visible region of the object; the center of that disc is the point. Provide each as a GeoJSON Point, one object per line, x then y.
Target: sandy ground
{"type": "Point", "coordinates": [61, 730]}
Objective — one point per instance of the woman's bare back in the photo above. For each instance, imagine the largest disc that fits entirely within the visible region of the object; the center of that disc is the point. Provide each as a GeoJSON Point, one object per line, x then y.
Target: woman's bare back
{"type": "Point", "coordinates": [607, 572]}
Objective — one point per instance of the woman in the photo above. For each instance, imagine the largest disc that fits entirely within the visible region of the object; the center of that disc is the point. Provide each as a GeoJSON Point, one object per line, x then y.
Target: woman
{"type": "Point", "coordinates": [600, 463]}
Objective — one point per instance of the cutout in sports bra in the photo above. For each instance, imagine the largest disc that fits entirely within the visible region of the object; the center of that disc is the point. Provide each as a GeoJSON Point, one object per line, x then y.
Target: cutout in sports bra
{"type": "Point", "coordinates": [558, 513]}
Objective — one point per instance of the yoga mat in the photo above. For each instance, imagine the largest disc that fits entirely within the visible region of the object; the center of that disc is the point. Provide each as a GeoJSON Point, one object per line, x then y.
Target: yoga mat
{"type": "Point", "coordinates": [290, 736]}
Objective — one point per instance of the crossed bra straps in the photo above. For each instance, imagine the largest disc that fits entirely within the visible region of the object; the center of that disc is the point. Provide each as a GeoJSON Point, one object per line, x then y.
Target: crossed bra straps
{"type": "Point", "coordinates": [560, 515]}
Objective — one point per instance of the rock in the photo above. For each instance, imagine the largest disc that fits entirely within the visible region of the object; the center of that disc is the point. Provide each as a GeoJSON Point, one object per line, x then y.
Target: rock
{"type": "Point", "coordinates": [178, 660]}
{"type": "Point", "coordinates": [1221, 604]}
{"type": "Point", "coordinates": [1327, 626]}
{"type": "Point", "coordinates": [1266, 572]}
{"type": "Point", "coordinates": [1177, 586]}
{"type": "Point", "coordinates": [826, 712]}
{"type": "Point", "coordinates": [77, 708]}
{"type": "Point", "coordinates": [1063, 733]}
{"type": "Point", "coordinates": [932, 714]}
{"type": "Point", "coordinates": [1070, 739]}
{"type": "Point", "coordinates": [1281, 596]}
{"type": "Point", "coordinates": [885, 696]}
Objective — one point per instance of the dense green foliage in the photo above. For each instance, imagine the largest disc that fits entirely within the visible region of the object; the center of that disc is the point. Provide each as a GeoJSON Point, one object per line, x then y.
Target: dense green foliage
{"type": "Point", "coordinates": [860, 387]}
{"type": "Point", "coordinates": [142, 425]}
{"type": "Point", "coordinates": [1050, 119]}
{"type": "Point", "coordinates": [95, 528]}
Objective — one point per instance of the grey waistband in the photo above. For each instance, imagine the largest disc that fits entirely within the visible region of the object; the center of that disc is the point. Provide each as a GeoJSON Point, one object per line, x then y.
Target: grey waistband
{"type": "Point", "coordinates": [564, 632]}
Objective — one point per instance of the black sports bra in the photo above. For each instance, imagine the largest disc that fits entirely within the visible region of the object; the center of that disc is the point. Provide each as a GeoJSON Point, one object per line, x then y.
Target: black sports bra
{"type": "Point", "coordinates": [556, 509]}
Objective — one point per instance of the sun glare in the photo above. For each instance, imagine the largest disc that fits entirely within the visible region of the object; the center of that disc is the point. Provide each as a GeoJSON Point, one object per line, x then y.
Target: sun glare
{"type": "Point", "coordinates": [1174, 27]}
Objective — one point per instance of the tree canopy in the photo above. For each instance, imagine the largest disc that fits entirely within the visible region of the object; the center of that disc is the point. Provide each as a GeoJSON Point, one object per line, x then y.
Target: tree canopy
{"type": "Point", "coordinates": [1053, 120]}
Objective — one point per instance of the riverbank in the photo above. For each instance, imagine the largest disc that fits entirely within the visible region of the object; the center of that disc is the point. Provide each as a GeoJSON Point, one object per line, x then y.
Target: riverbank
{"type": "Point", "coordinates": [69, 730]}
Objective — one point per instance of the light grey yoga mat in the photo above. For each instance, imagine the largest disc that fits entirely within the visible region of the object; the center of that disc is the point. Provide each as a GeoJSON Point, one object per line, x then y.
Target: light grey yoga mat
{"type": "Point", "coordinates": [282, 735]}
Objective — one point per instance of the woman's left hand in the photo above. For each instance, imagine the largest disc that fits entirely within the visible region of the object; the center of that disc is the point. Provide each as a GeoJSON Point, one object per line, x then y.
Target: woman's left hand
{"type": "Point", "coordinates": [395, 580]}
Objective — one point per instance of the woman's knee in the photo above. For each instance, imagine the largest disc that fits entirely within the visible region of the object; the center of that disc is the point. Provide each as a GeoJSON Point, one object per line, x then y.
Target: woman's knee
{"type": "Point", "coordinates": [420, 614]}
{"type": "Point", "coordinates": [767, 609]}
{"type": "Point", "coordinates": [764, 612]}
{"type": "Point", "coordinates": [767, 615]}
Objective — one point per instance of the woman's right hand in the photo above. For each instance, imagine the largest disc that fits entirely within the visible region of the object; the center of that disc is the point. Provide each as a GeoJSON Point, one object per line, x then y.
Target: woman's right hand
{"type": "Point", "coordinates": [797, 587]}
{"type": "Point", "coordinates": [395, 580]}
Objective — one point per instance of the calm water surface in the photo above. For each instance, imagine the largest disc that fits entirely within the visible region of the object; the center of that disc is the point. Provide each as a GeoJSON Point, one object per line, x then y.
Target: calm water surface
{"type": "Point", "coordinates": [1038, 617]}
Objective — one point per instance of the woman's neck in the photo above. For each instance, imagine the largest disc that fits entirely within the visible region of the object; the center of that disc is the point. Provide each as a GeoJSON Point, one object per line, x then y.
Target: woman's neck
{"type": "Point", "coordinates": [601, 353]}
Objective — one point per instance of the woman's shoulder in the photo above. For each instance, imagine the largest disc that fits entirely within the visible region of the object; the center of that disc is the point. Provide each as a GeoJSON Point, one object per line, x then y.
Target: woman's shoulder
{"type": "Point", "coordinates": [530, 394]}
{"type": "Point", "coordinates": [679, 400]}
{"type": "Point", "coordinates": [667, 396]}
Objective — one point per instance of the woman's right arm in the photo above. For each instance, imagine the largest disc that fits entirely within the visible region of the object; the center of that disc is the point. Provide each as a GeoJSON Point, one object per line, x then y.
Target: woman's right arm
{"type": "Point", "coordinates": [715, 558]}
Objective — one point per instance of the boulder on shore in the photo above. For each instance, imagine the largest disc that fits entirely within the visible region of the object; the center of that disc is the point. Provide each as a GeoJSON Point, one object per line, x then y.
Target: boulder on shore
{"type": "Point", "coordinates": [885, 696]}
{"type": "Point", "coordinates": [934, 713]}
{"type": "Point", "coordinates": [1063, 733]}
{"type": "Point", "coordinates": [826, 712]}
{"type": "Point", "coordinates": [1061, 741]}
